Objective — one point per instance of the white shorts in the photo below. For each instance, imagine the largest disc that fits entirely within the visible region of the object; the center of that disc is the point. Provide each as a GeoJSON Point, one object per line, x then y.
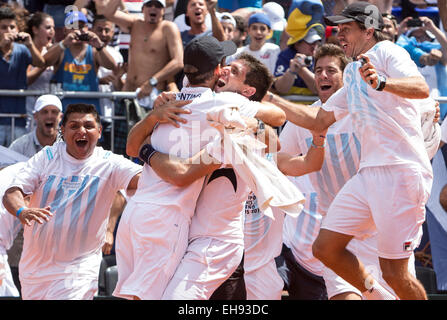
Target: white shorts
{"type": "Point", "coordinates": [80, 288]}
{"type": "Point", "coordinates": [366, 251]}
{"type": "Point", "coordinates": [205, 266]}
{"type": "Point", "coordinates": [390, 200]}
{"type": "Point", "coordinates": [264, 283]}
{"type": "Point", "coordinates": [7, 286]}
{"type": "Point", "coordinates": [150, 242]}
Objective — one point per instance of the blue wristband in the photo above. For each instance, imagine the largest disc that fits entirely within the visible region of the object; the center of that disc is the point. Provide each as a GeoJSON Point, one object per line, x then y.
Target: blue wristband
{"type": "Point", "coordinates": [20, 211]}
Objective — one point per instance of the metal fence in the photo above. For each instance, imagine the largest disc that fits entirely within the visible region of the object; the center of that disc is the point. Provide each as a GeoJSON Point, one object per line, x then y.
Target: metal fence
{"type": "Point", "coordinates": [68, 94]}
{"type": "Point", "coordinates": [116, 95]}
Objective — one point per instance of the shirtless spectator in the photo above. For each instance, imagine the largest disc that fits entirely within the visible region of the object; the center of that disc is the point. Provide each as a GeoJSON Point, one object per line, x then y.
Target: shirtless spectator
{"type": "Point", "coordinates": [156, 52]}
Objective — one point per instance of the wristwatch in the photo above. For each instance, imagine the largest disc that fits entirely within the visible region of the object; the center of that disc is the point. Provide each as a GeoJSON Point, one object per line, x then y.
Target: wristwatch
{"type": "Point", "coordinates": [382, 83]}
{"type": "Point", "coordinates": [153, 81]}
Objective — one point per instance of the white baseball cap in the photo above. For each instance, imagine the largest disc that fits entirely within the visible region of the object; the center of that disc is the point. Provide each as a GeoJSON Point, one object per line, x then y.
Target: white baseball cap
{"type": "Point", "coordinates": [276, 15]}
{"type": "Point", "coordinates": [226, 17]}
{"type": "Point", "coordinates": [162, 2]}
{"type": "Point", "coordinates": [47, 100]}
{"type": "Point", "coordinates": [428, 33]}
{"type": "Point", "coordinates": [312, 36]}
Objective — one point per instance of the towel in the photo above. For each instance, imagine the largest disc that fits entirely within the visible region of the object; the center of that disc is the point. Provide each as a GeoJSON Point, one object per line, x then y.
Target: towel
{"type": "Point", "coordinates": [148, 101]}
{"type": "Point", "coordinates": [430, 130]}
{"type": "Point", "coordinates": [245, 154]}
{"type": "Point", "coordinates": [226, 116]}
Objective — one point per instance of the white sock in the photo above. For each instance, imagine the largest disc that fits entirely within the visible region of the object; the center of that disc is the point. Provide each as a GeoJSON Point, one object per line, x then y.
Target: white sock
{"type": "Point", "coordinates": [377, 292]}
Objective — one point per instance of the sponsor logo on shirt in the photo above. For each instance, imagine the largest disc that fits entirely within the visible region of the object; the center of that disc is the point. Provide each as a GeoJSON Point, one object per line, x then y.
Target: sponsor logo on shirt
{"type": "Point", "coordinates": [187, 96]}
{"type": "Point", "coordinates": [408, 245]}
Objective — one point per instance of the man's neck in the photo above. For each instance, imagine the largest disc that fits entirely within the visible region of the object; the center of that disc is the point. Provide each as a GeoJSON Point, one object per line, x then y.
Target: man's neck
{"type": "Point", "coordinates": [368, 46]}
{"type": "Point", "coordinates": [255, 46]}
{"type": "Point", "coordinates": [197, 28]}
{"type": "Point", "coordinates": [45, 140]}
{"type": "Point", "coordinates": [76, 48]}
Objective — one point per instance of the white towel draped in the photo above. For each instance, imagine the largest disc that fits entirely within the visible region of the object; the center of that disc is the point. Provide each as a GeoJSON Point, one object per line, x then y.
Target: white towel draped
{"type": "Point", "coordinates": [271, 187]}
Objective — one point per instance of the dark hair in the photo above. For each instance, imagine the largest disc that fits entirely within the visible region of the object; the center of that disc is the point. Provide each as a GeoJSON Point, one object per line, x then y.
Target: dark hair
{"type": "Point", "coordinates": [258, 76]}
{"type": "Point", "coordinates": [99, 18]}
{"type": "Point", "coordinates": [197, 78]}
{"type": "Point", "coordinates": [391, 17]}
{"type": "Point", "coordinates": [378, 35]}
{"type": "Point", "coordinates": [36, 20]}
{"type": "Point", "coordinates": [83, 108]}
{"type": "Point", "coordinates": [332, 50]}
{"type": "Point", "coordinates": [241, 23]}
{"type": "Point", "coordinates": [6, 13]}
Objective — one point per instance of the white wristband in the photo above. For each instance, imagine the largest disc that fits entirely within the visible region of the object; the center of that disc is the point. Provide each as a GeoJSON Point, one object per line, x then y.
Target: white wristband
{"type": "Point", "coordinates": [61, 45]}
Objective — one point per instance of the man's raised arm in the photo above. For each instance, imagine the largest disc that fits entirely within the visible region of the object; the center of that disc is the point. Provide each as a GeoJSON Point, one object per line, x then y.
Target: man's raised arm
{"type": "Point", "coordinates": [408, 87]}
{"type": "Point", "coordinates": [301, 115]}
{"type": "Point", "coordinates": [109, 9]}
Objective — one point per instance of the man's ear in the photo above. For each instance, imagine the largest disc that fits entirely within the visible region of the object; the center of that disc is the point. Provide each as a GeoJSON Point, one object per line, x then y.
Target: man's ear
{"type": "Point", "coordinates": [370, 33]}
{"type": "Point", "coordinates": [218, 70]}
{"type": "Point", "coordinates": [248, 91]}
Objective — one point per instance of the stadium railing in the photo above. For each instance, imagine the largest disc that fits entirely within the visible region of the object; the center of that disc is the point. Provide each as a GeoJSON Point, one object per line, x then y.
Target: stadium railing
{"type": "Point", "coordinates": [116, 95]}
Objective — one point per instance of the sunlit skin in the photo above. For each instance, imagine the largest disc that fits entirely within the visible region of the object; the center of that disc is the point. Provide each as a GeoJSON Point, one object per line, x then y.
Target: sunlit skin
{"type": "Point", "coordinates": [153, 12]}
{"type": "Point", "coordinates": [104, 30]}
{"type": "Point", "coordinates": [196, 11]}
{"type": "Point", "coordinates": [83, 28]}
{"type": "Point", "coordinates": [258, 33]}
{"type": "Point", "coordinates": [81, 134]}
{"type": "Point", "coordinates": [47, 123]}
{"type": "Point", "coordinates": [44, 33]}
{"type": "Point", "coordinates": [352, 39]}
{"type": "Point", "coordinates": [328, 77]}
{"type": "Point", "coordinates": [8, 31]}
{"type": "Point", "coordinates": [305, 48]}
{"type": "Point", "coordinates": [239, 37]}
{"type": "Point", "coordinates": [228, 30]}
{"type": "Point", "coordinates": [388, 29]}
{"type": "Point", "coordinates": [232, 79]}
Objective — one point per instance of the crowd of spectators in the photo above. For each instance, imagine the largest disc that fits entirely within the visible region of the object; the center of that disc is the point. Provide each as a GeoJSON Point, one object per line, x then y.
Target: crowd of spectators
{"type": "Point", "coordinates": [137, 47]}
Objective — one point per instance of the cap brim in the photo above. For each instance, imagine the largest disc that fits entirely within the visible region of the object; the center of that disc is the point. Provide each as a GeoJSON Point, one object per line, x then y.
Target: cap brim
{"type": "Point", "coordinates": [278, 25]}
{"type": "Point", "coordinates": [336, 20]}
{"type": "Point", "coordinates": [312, 39]}
{"type": "Point", "coordinates": [229, 47]}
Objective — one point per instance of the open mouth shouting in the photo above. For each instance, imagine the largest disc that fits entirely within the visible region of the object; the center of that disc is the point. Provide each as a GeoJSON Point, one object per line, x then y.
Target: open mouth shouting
{"type": "Point", "coordinates": [81, 143]}
{"type": "Point", "coordinates": [325, 87]}
{"type": "Point", "coordinates": [50, 124]}
{"type": "Point", "coordinates": [221, 83]}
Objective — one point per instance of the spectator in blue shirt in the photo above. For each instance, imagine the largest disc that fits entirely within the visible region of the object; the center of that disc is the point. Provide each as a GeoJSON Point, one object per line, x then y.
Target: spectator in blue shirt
{"type": "Point", "coordinates": [17, 53]}
{"type": "Point", "coordinates": [427, 46]}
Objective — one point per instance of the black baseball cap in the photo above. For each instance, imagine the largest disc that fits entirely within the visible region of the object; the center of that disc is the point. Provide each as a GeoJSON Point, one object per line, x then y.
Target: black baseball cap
{"type": "Point", "coordinates": [204, 53]}
{"type": "Point", "coordinates": [364, 12]}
